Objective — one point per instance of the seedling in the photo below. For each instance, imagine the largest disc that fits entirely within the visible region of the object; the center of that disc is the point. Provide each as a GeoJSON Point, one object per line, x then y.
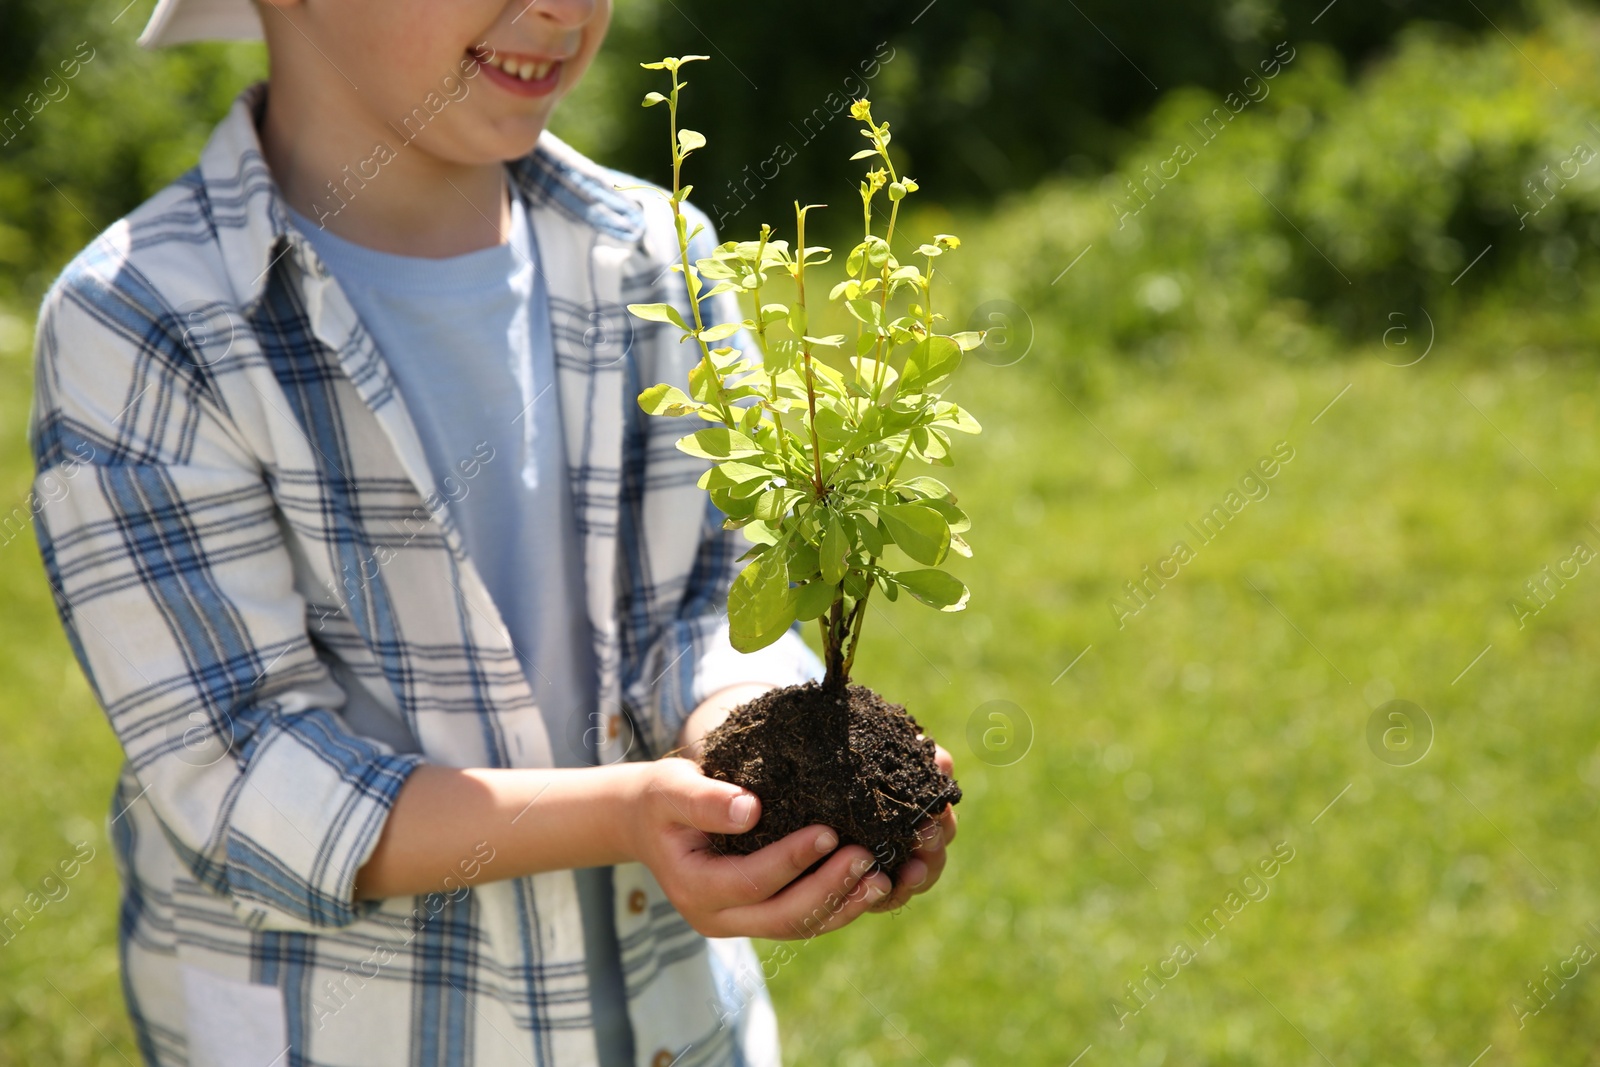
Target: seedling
{"type": "Point", "coordinates": [807, 459]}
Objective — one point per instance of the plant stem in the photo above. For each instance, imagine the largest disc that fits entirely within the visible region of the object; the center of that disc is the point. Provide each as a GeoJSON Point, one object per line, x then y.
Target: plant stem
{"type": "Point", "coordinates": [761, 343]}
{"type": "Point", "coordinates": [833, 646]}
{"type": "Point", "coordinates": [888, 239]}
{"type": "Point", "coordinates": [889, 476]}
{"type": "Point", "coordinates": [805, 346]}
{"type": "Point", "coordinates": [691, 284]}
{"type": "Point", "coordinates": [857, 613]}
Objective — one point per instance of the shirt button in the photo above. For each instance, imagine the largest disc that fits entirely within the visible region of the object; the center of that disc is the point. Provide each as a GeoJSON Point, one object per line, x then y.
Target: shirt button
{"type": "Point", "coordinates": [663, 1058]}
{"type": "Point", "coordinates": [637, 901]}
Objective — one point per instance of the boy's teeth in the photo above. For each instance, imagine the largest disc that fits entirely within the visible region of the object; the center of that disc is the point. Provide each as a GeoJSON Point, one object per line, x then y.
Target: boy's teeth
{"type": "Point", "coordinates": [527, 71]}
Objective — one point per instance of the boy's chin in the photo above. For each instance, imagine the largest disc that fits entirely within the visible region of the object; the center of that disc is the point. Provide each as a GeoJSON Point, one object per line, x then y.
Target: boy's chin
{"type": "Point", "coordinates": [512, 140]}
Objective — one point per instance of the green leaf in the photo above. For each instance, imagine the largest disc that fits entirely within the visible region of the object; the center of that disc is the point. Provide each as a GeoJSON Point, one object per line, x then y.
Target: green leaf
{"type": "Point", "coordinates": [781, 355]}
{"type": "Point", "coordinates": [830, 376]}
{"type": "Point", "coordinates": [953, 515]}
{"type": "Point", "coordinates": [760, 533]}
{"type": "Point", "coordinates": [934, 588]}
{"type": "Point", "coordinates": [856, 584]}
{"type": "Point", "coordinates": [719, 331]}
{"type": "Point", "coordinates": [750, 420]}
{"type": "Point", "coordinates": [864, 153]}
{"type": "Point", "coordinates": [802, 561]}
{"type": "Point", "coordinates": [871, 428]}
{"type": "Point", "coordinates": [934, 358]}
{"type": "Point", "coordinates": [665, 399]}
{"type": "Point", "coordinates": [868, 533]}
{"type": "Point", "coordinates": [867, 311]}
{"type": "Point", "coordinates": [957, 418]}
{"type": "Point", "coordinates": [835, 546]}
{"type": "Point", "coordinates": [877, 252]}
{"type": "Point", "coordinates": [719, 442]}
{"type": "Point", "coordinates": [831, 429]}
{"type": "Point", "coordinates": [773, 505]}
{"type": "Point", "coordinates": [689, 140]}
{"type": "Point", "coordinates": [814, 599]}
{"type": "Point", "coordinates": [739, 479]}
{"type": "Point", "coordinates": [920, 531]}
{"type": "Point", "coordinates": [703, 382]}
{"type": "Point", "coordinates": [761, 603]}
{"type": "Point", "coordinates": [868, 370]}
{"type": "Point", "coordinates": [652, 99]}
{"type": "Point", "coordinates": [932, 488]}
{"type": "Point", "coordinates": [833, 340]}
{"type": "Point", "coordinates": [659, 313]}
{"type": "Point", "coordinates": [797, 320]}
{"type": "Point", "coordinates": [732, 507]}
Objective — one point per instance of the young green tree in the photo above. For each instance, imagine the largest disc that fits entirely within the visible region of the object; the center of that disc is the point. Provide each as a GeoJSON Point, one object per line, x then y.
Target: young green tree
{"type": "Point", "coordinates": [810, 467]}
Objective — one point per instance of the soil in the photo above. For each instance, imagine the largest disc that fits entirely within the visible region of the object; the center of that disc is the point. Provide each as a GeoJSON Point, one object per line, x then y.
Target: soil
{"type": "Point", "coordinates": [846, 758]}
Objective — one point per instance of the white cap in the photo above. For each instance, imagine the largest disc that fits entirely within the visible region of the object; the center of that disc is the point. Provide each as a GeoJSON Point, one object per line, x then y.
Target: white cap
{"type": "Point", "coordinates": [177, 21]}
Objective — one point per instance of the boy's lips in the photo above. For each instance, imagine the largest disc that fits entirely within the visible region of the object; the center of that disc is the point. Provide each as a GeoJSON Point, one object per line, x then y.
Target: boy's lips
{"type": "Point", "coordinates": [523, 74]}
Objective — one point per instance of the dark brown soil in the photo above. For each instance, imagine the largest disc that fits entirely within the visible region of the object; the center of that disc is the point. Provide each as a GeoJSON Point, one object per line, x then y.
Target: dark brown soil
{"type": "Point", "coordinates": [845, 759]}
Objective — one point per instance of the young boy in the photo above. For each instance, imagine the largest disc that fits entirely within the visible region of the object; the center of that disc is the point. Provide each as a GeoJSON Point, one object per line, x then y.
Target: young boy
{"type": "Point", "coordinates": [399, 606]}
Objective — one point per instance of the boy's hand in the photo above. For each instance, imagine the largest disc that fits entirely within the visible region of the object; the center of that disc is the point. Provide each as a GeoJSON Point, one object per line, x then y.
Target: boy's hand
{"type": "Point", "coordinates": [927, 860]}
{"type": "Point", "coordinates": [724, 895]}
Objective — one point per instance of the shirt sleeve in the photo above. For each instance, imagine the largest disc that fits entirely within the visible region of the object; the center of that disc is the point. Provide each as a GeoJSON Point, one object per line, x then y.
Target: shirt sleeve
{"type": "Point", "coordinates": [693, 657]}
{"type": "Point", "coordinates": [160, 540]}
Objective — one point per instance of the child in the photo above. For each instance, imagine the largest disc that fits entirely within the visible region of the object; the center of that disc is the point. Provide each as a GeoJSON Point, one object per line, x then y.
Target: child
{"type": "Point", "coordinates": [398, 604]}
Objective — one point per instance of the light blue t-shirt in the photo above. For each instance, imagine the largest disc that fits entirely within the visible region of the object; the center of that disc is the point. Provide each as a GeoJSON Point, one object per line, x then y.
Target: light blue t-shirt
{"type": "Point", "coordinates": [469, 341]}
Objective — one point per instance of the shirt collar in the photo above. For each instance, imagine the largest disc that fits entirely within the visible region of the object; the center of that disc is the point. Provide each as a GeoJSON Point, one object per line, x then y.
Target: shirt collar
{"type": "Point", "coordinates": [251, 219]}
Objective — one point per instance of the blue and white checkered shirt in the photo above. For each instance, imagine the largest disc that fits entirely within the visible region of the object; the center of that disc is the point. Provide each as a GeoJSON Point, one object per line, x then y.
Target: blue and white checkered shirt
{"type": "Point", "coordinates": [269, 597]}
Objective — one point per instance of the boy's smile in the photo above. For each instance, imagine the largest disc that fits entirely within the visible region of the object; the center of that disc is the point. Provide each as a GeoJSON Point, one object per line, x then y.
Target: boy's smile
{"type": "Point", "coordinates": [442, 95]}
{"type": "Point", "coordinates": [521, 73]}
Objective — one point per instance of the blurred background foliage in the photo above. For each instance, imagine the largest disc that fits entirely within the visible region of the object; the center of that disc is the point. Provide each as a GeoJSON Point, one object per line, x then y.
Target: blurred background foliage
{"type": "Point", "coordinates": [1186, 261]}
{"type": "Point", "coordinates": [1400, 139]}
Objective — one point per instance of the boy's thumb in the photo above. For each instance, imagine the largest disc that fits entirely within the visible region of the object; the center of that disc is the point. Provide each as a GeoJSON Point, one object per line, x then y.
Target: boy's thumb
{"type": "Point", "coordinates": [724, 808]}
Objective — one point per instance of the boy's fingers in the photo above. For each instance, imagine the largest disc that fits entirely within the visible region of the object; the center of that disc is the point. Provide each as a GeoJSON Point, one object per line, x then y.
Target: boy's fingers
{"type": "Point", "coordinates": [947, 825]}
{"type": "Point", "coordinates": [739, 880]}
{"type": "Point", "coordinates": [942, 759]}
{"type": "Point", "coordinates": [934, 834]}
{"type": "Point", "coordinates": [926, 864]}
{"type": "Point", "coordinates": [707, 804]}
{"type": "Point", "coordinates": [827, 899]}
{"type": "Point", "coordinates": [914, 876]}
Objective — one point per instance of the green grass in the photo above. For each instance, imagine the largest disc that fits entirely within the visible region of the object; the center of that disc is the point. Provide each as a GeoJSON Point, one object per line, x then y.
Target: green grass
{"type": "Point", "coordinates": [1178, 751]}
{"type": "Point", "coordinates": [60, 998]}
{"type": "Point", "coordinates": [1231, 712]}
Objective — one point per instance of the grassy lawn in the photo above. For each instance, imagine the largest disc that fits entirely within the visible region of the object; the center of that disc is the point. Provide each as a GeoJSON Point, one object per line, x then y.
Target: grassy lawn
{"type": "Point", "coordinates": [1225, 720]}
{"type": "Point", "coordinates": [1226, 717]}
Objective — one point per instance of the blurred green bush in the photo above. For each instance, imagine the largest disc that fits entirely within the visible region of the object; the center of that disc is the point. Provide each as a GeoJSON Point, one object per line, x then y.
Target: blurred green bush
{"type": "Point", "coordinates": [984, 98]}
{"type": "Point", "coordinates": [1262, 205]}
{"type": "Point", "coordinates": [1453, 191]}
{"type": "Point", "coordinates": [103, 139]}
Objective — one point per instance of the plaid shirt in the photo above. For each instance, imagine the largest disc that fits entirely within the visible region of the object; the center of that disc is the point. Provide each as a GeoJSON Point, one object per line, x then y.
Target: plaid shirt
{"type": "Point", "coordinates": [269, 597]}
